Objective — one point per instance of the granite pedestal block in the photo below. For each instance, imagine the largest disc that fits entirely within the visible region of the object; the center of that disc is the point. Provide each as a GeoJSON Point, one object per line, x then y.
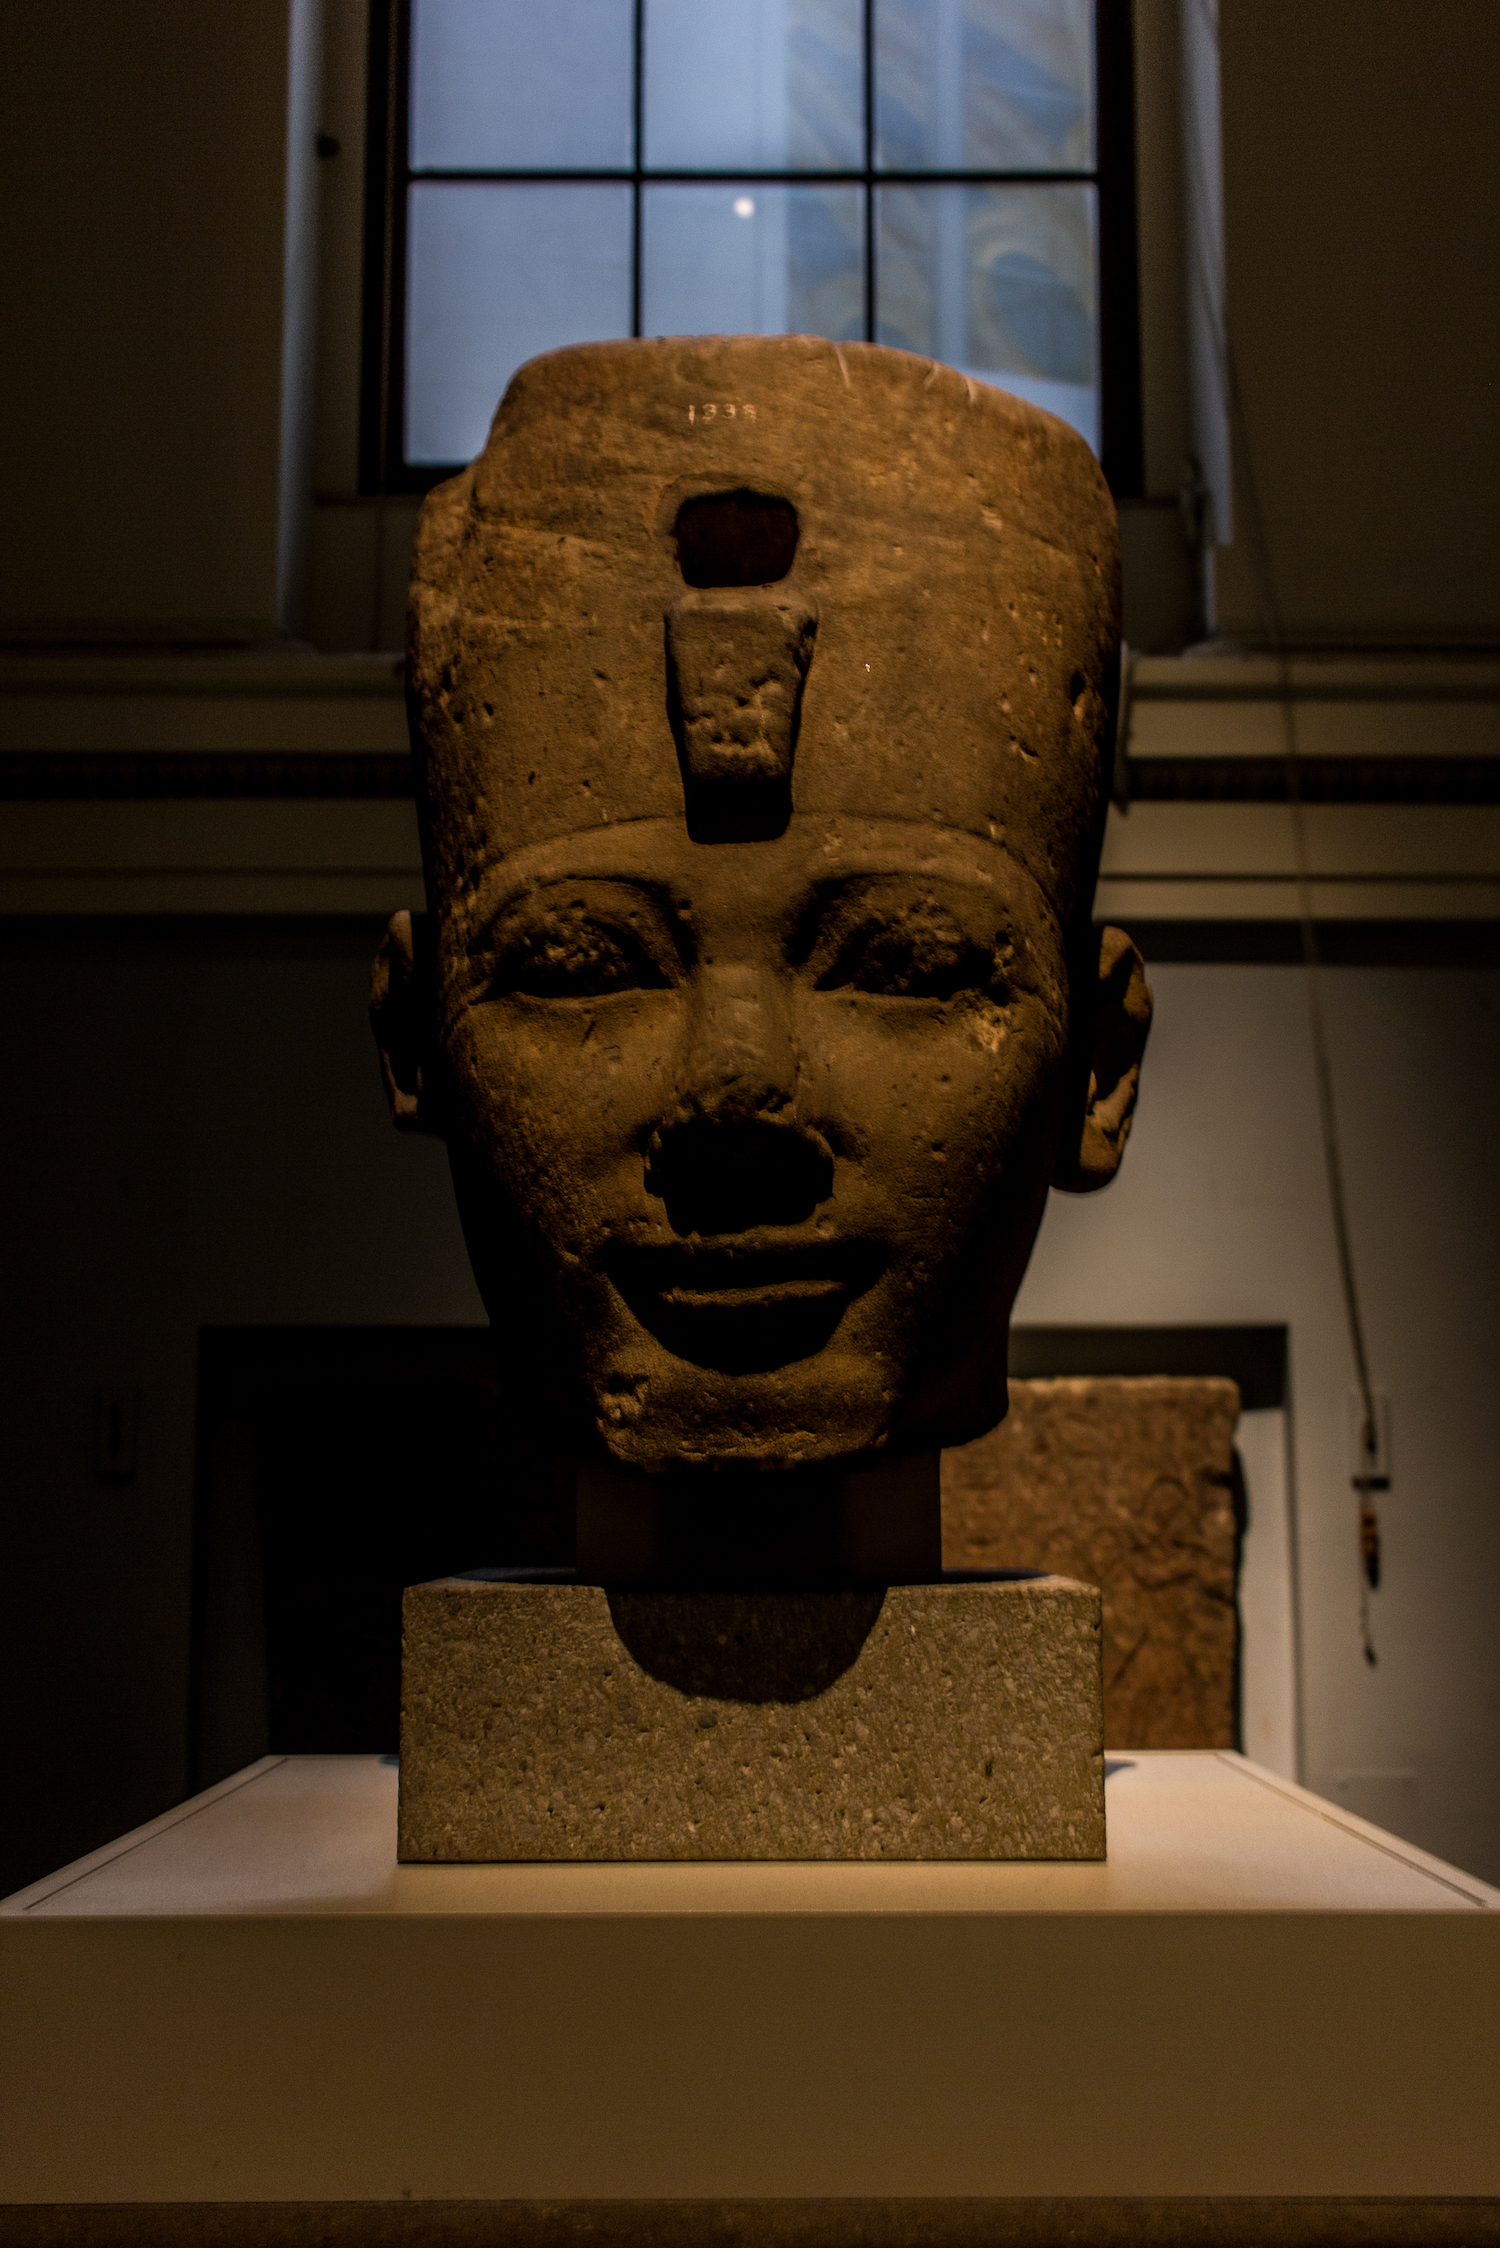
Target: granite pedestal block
{"type": "Point", "coordinates": [563, 1721]}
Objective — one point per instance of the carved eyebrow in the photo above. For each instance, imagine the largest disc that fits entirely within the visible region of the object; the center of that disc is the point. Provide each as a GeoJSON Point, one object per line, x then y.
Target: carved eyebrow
{"type": "Point", "coordinates": [649, 885]}
{"type": "Point", "coordinates": [517, 895]}
{"type": "Point", "coordinates": [881, 870]}
{"type": "Point", "coordinates": [826, 890]}
{"type": "Point", "coordinates": [496, 877]}
{"type": "Point", "coordinates": [1006, 877]}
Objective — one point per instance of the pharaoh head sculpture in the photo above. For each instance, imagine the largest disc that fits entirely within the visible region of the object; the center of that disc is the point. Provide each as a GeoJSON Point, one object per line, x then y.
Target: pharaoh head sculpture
{"type": "Point", "coordinates": [760, 694]}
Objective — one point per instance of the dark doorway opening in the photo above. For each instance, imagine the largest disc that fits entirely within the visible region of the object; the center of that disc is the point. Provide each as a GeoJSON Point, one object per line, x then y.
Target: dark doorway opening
{"type": "Point", "coordinates": [335, 1467]}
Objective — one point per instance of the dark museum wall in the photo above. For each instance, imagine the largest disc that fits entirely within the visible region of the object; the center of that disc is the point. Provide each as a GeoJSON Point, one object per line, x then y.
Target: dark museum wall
{"type": "Point", "coordinates": [143, 418]}
{"type": "Point", "coordinates": [1359, 205]}
{"type": "Point", "coordinates": [195, 1134]}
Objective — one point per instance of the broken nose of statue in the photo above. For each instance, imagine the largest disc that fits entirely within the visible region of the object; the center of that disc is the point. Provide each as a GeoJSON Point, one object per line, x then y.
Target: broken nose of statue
{"type": "Point", "coordinates": [728, 1174]}
{"type": "Point", "coordinates": [736, 664]}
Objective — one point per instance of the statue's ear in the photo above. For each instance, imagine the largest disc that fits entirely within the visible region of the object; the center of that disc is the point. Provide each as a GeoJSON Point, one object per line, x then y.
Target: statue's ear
{"type": "Point", "coordinates": [403, 1016]}
{"type": "Point", "coordinates": [1117, 1019]}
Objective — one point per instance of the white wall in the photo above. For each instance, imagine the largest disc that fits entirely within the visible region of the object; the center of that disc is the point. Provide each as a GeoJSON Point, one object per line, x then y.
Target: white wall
{"type": "Point", "coordinates": [1221, 1215]}
{"type": "Point", "coordinates": [1270, 1667]}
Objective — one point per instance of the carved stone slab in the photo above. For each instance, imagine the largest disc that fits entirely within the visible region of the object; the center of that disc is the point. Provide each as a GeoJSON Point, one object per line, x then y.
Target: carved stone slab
{"type": "Point", "coordinates": [561, 1721]}
{"type": "Point", "coordinates": [1126, 1481]}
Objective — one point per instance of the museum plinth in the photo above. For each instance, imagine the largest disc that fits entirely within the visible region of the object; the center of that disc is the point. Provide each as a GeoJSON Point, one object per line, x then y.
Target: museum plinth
{"type": "Point", "coordinates": [561, 1721]}
{"type": "Point", "coordinates": [1259, 2019]}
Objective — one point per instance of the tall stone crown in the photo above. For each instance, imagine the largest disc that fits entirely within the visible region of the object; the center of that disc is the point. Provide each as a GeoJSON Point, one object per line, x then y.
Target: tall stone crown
{"type": "Point", "coordinates": [735, 580]}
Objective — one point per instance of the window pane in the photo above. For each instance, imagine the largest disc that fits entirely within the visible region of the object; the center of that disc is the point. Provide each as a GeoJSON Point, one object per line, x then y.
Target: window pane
{"type": "Point", "coordinates": [767, 85]}
{"type": "Point", "coordinates": [999, 282]}
{"type": "Point", "coordinates": [984, 85]}
{"type": "Point", "coordinates": [760, 261]}
{"type": "Point", "coordinates": [495, 275]}
{"type": "Point", "coordinates": [505, 84]}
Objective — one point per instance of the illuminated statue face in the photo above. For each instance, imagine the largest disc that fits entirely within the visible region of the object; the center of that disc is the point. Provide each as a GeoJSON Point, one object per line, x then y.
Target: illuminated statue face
{"type": "Point", "coordinates": [759, 691]}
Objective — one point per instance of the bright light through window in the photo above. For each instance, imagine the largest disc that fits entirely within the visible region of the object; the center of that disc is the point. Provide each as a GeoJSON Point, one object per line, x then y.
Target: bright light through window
{"type": "Point", "coordinates": [923, 172]}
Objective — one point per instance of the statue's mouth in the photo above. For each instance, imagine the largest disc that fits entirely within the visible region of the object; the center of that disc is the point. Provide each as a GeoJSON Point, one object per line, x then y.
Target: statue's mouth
{"type": "Point", "coordinates": [744, 1307]}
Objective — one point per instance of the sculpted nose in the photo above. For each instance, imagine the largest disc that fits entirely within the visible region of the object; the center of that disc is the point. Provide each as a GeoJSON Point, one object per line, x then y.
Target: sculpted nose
{"type": "Point", "coordinates": [732, 1153]}
{"type": "Point", "coordinates": [717, 1176]}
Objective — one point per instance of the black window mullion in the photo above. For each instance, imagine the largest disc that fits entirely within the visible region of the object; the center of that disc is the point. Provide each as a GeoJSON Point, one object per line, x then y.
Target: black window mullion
{"type": "Point", "coordinates": [748, 176]}
{"type": "Point", "coordinates": [868, 31]}
{"type": "Point", "coordinates": [382, 449]}
{"type": "Point", "coordinates": [1120, 434]}
{"type": "Point", "coordinates": [638, 159]}
{"type": "Point", "coordinates": [395, 470]}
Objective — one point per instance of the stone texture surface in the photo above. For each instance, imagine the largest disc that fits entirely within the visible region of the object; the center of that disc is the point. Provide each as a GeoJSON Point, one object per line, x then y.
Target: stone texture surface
{"type": "Point", "coordinates": [1128, 1484]}
{"type": "Point", "coordinates": [761, 698]}
{"type": "Point", "coordinates": [762, 695]}
{"type": "Point", "coordinates": [560, 1721]}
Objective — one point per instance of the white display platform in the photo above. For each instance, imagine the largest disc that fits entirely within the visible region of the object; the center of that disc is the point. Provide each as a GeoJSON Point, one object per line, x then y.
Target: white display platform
{"type": "Point", "coordinates": [250, 2002]}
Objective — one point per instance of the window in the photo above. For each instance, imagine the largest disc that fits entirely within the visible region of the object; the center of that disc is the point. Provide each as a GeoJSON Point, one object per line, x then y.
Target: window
{"type": "Point", "coordinates": [951, 176]}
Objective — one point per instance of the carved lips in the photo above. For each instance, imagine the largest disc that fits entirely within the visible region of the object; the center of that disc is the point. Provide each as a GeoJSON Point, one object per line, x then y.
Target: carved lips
{"type": "Point", "coordinates": [746, 1307]}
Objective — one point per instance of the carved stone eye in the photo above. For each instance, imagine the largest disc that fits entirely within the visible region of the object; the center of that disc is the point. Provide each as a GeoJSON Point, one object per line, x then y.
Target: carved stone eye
{"type": "Point", "coordinates": [571, 951]}
{"type": "Point", "coordinates": [911, 951]}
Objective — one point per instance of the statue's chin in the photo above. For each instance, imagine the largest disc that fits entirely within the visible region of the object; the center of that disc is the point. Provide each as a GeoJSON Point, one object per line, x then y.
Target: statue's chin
{"type": "Point", "coordinates": [656, 1412]}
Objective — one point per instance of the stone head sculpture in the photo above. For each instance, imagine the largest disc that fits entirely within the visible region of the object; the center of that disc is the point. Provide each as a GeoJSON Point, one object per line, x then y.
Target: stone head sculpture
{"type": "Point", "coordinates": [761, 699]}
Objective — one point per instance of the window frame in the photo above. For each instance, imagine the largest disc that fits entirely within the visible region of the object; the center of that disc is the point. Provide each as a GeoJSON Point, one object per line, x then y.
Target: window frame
{"type": "Point", "coordinates": [383, 467]}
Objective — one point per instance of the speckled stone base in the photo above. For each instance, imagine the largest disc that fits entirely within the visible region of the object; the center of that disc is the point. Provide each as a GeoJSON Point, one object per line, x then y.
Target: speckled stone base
{"type": "Point", "coordinates": [561, 1721]}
